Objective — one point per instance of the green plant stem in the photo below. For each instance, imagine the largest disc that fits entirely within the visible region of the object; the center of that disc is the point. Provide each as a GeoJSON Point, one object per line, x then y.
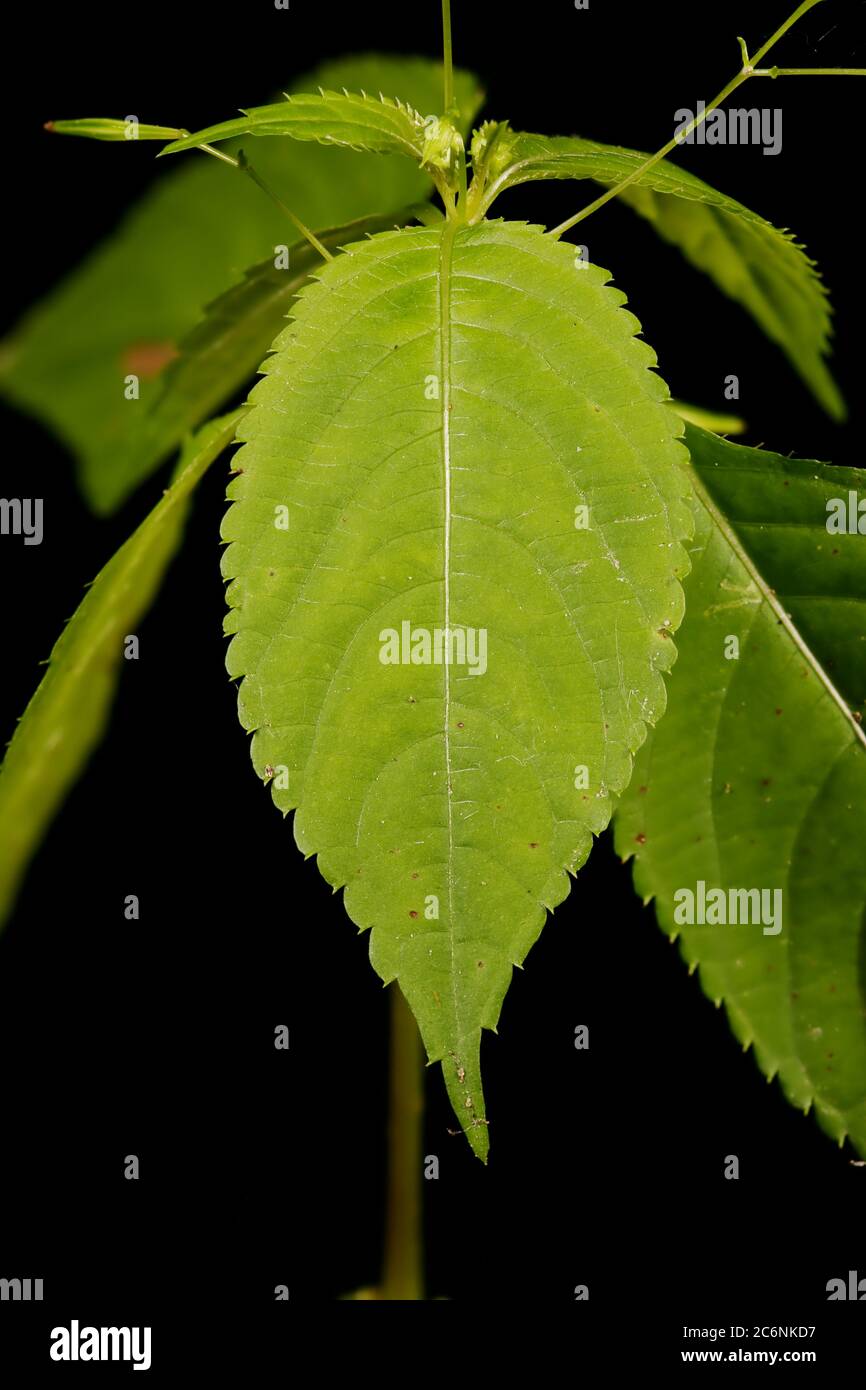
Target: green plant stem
{"type": "Point", "coordinates": [461, 182]}
{"type": "Point", "coordinates": [654, 159]}
{"type": "Point", "coordinates": [748, 70]}
{"type": "Point", "coordinates": [447, 60]}
{"type": "Point", "coordinates": [783, 28]}
{"type": "Point", "coordinates": [402, 1275]}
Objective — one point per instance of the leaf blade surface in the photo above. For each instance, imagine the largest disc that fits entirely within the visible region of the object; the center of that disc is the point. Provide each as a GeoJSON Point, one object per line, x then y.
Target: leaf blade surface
{"type": "Point", "coordinates": [757, 776]}
{"type": "Point", "coordinates": [419, 423]}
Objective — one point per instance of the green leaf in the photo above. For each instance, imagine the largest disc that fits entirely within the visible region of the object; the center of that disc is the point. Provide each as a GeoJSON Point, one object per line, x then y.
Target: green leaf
{"type": "Point", "coordinates": [105, 128]}
{"type": "Point", "coordinates": [765, 270]}
{"type": "Point", "coordinates": [430, 425]}
{"type": "Point", "coordinates": [226, 348]}
{"type": "Point", "coordinates": [126, 309]}
{"type": "Point", "coordinates": [756, 777]}
{"type": "Point", "coordinates": [417, 82]}
{"type": "Point", "coordinates": [66, 717]}
{"type": "Point", "coordinates": [380, 125]}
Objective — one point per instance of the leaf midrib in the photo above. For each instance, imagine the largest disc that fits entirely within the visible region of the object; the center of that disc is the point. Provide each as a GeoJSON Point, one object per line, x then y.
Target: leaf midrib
{"type": "Point", "coordinates": [446, 251]}
{"type": "Point", "coordinates": [771, 599]}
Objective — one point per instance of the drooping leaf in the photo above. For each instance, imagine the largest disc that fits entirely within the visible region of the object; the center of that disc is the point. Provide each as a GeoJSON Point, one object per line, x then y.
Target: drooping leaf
{"type": "Point", "coordinates": [379, 125]}
{"type": "Point", "coordinates": [226, 348]}
{"type": "Point", "coordinates": [762, 268]}
{"type": "Point", "coordinates": [125, 310]}
{"type": "Point", "coordinates": [756, 777]}
{"type": "Point", "coordinates": [68, 713]}
{"type": "Point", "coordinates": [418, 458]}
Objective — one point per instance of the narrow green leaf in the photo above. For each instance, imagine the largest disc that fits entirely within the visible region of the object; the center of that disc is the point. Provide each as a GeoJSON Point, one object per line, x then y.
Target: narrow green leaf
{"type": "Point", "coordinates": [762, 268]}
{"type": "Point", "coordinates": [380, 125]}
{"type": "Point", "coordinates": [756, 778]}
{"type": "Point", "coordinates": [418, 458]}
{"type": "Point", "coordinates": [68, 713]}
{"type": "Point", "coordinates": [127, 308]}
{"type": "Point", "coordinates": [227, 347]}
{"type": "Point", "coordinates": [99, 128]}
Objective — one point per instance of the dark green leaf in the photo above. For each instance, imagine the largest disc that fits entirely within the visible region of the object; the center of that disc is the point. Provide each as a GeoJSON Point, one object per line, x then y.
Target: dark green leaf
{"type": "Point", "coordinates": [756, 777]}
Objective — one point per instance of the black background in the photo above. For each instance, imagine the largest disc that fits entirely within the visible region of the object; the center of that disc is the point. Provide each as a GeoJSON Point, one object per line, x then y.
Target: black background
{"type": "Point", "coordinates": [156, 1037]}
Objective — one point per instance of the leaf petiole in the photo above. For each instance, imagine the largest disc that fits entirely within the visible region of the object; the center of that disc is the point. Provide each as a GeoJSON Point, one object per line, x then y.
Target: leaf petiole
{"type": "Point", "coordinates": [808, 72]}
{"type": "Point", "coordinates": [244, 164]}
{"type": "Point", "coordinates": [681, 135]}
{"type": "Point", "coordinates": [245, 167]}
{"type": "Point", "coordinates": [219, 154]}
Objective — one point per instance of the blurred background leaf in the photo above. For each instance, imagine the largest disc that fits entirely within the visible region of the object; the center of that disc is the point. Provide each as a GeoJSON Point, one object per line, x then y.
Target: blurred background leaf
{"type": "Point", "coordinates": [69, 712]}
{"type": "Point", "coordinates": [201, 227]}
